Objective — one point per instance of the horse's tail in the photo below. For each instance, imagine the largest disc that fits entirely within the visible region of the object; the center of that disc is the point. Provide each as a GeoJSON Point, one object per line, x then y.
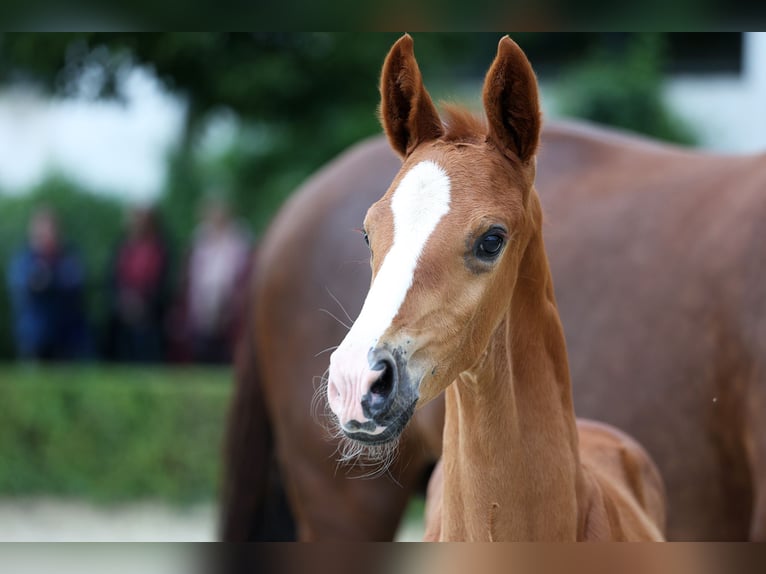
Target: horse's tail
{"type": "Point", "coordinates": [253, 503]}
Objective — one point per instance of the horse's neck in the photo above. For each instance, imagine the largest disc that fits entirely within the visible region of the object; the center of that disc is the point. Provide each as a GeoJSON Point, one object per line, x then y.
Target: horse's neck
{"type": "Point", "coordinates": [510, 456]}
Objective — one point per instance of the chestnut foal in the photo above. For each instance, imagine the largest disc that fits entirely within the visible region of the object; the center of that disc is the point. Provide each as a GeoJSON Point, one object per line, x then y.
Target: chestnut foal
{"type": "Point", "coordinates": [462, 301]}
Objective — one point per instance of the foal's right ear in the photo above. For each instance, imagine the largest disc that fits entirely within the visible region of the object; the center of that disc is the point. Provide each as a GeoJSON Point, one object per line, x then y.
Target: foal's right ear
{"type": "Point", "coordinates": [407, 113]}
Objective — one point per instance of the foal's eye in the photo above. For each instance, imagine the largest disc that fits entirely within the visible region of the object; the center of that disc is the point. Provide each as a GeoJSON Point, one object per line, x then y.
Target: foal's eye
{"type": "Point", "coordinates": [489, 246]}
{"type": "Point", "coordinates": [366, 237]}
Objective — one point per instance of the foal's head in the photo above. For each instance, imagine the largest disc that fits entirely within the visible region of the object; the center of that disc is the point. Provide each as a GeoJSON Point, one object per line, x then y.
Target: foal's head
{"type": "Point", "coordinates": [445, 242]}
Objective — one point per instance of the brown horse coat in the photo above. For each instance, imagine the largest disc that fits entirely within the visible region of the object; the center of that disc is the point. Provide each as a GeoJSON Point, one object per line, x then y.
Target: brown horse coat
{"type": "Point", "coordinates": [462, 303]}
{"type": "Point", "coordinates": [658, 258]}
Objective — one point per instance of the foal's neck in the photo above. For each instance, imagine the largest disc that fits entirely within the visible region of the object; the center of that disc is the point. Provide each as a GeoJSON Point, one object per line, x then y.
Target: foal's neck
{"type": "Point", "coordinates": [511, 464]}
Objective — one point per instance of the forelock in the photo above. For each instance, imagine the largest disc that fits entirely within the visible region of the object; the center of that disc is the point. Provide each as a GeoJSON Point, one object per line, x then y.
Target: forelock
{"type": "Point", "coordinates": [462, 125]}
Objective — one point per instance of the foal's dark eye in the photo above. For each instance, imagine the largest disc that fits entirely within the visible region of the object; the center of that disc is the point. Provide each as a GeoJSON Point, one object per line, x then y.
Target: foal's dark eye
{"type": "Point", "coordinates": [489, 246]}
{"type": "Point", "coordinates": [366, 237]}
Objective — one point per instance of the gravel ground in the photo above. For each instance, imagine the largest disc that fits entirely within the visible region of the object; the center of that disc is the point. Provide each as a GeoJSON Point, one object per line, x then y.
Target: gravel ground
{"type": "Point", "coordinates": [55, 520]}
{"type": "Point", "coordinates": [411, 531]}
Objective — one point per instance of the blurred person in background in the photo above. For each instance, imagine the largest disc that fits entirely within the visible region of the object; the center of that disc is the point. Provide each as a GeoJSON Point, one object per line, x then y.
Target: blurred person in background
{"type": "Point", "coordinates": [214, 293]}
{"type": "Point", "coordinates": [46, 280]}
{"type": "Point", "coordinates": [138, 291]}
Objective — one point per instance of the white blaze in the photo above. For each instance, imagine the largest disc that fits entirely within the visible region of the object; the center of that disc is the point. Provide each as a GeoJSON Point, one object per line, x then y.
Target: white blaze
{"type": "Point", "coordinates": [419, 202]}
{"type": "Point", "coordinates": [421, 199]}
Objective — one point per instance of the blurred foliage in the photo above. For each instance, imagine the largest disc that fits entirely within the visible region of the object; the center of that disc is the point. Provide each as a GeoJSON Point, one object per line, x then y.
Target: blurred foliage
{"type": "Point", "coordinates": [296, 100]}
{"type": "Point", "coordinates": [300, 99]}
{"type": "Point", "coordinates": [277, 77]}
{"type": "Point", "coordinates": [293, 101]}
{"type": "Point", "coordinates": [620, 85]}
{"type": "Point", "coordinates": [112, 434]}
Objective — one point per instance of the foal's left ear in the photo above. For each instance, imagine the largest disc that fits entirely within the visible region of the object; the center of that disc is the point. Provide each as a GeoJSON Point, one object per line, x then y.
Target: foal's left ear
{"type": "Point", "coordinates": [511, 102]}
{"type": "Point", "coordinates": [407, 112]}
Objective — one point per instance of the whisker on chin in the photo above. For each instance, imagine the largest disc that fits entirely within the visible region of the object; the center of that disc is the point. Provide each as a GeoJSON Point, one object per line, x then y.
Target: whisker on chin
{"type": "Point", "coordinates": [373, 460]}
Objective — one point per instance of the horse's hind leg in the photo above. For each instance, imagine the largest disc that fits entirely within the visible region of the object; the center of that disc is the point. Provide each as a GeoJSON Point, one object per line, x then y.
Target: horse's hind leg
{"type": "Point", "coordinates": [755, 442]}
{"type": "Point", "coordinates": [758, 524]}
{"type": "Point", "coordinates": [758, 518]}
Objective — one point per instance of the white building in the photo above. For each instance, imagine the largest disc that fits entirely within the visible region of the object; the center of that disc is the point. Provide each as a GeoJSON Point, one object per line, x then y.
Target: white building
{"type": "Point", "coordinates": [727, 111]}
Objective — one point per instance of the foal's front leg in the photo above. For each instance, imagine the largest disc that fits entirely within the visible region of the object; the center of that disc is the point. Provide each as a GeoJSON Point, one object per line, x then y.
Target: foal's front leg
{"type": "Point", "coordinates": [433, 514]}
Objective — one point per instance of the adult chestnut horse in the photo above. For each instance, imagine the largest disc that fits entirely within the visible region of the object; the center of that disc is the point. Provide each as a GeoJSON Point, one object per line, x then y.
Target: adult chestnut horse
{"type": "Point", "coordinates": [661, 285]}
{"type": "Point", "coordinates": [462, 303]}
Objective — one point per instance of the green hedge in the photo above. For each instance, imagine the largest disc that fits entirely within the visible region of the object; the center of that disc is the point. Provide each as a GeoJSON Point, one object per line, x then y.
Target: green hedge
{"type": "Point", "coordinates": [112, 434]}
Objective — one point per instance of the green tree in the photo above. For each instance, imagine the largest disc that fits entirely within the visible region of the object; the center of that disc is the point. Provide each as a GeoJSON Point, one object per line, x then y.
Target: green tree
{"type": "Point", "coordinates": [620, 84]}
{"type": "Point", "coordinates": [300, 98]}
{"type": "Point", "coordinates": [297, 100]}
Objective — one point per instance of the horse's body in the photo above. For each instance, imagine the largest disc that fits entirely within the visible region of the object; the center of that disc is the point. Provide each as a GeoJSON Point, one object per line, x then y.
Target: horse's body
{"type": "Point", "coordinates": [462, 304]}
{"type": "Point", "coordinates": [660, 277]}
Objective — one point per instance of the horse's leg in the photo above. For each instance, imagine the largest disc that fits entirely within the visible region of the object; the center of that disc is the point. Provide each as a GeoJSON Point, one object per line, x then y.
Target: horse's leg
{"type": "Point", "coordinates": [434, 504]}
{"type": "Point", "coordinates": [755, 444]}
{"type": "Point", "coordinates": [329, 505]}
{"type": "Point", "coordinates": [252, 504]}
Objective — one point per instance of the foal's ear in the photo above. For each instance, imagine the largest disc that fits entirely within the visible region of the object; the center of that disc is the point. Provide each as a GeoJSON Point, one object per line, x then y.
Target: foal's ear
{"type": "Point", "coordinates": [407, 113]}
{"type": "Point", "coordinates": [511, 102]}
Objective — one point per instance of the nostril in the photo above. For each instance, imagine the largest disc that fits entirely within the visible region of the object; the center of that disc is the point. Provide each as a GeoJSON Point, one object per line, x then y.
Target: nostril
{"type": "Point", "coordinates": [383, 390]}
{"type": "Point", "coordinates": [385, 383]}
